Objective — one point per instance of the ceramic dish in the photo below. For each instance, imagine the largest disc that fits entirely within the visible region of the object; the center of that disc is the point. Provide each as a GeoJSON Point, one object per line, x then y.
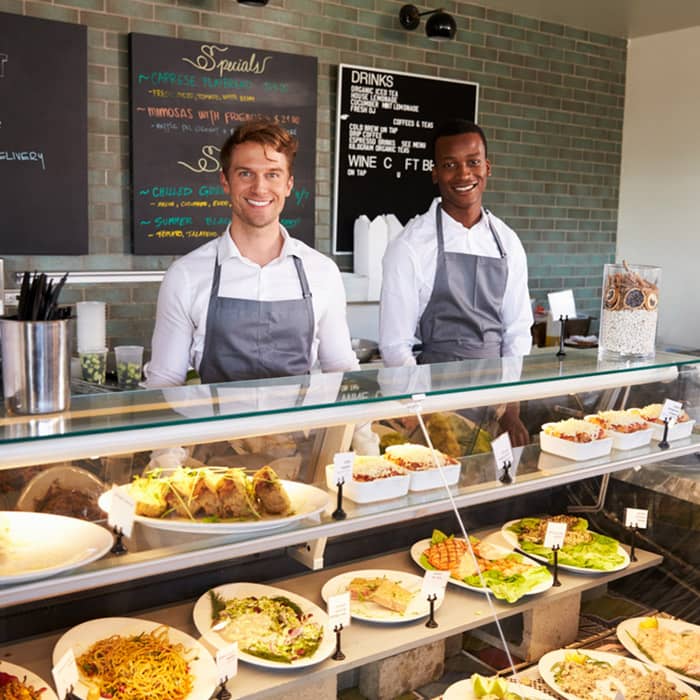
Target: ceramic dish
{"type": "Point", "coordinates": [83, 636]}
{"type": "Point", "coordinates": [551, 658]}
{"type": "Point", "coordinates": [28, 678]}
{"type": "Point", "coordinates": [369, 611]}
{"type": "Point", "coordinates": [307, 501]}
{"type": "Point", "coordinates": [628, 630]}
{"type": "Point", "coordinates": [202, 615]}
{"type": "Point", "coordinates": [574, 450]}
{"type": "Point", "coordinates": [512, 539]}
{"type": "Point", "coordinates": [427, 479]}
{"type": "Point", "coordinates": [627, 441]}
{"type": "Point", "coordinates": [66, 477]}
{"type": "Point", "coordinates": [37, 545]}
{"type": "Point", "coordinates": [464, 690]}
{"type": "Point", "coordinates": [421, 546]}
{"type": "Point", "coordinates": [677, 431]}
{"type": "Point", "coordinates": [370, 491]}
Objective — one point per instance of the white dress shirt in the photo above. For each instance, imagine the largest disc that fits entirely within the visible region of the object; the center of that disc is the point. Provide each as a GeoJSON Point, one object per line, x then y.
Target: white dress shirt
{"type": "Point", "coordinates": [183, 300]}
{"type": "Point", "coordinates": [409, 272]}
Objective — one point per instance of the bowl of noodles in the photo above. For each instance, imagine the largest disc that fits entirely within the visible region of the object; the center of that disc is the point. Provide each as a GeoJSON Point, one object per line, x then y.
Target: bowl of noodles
{"type": "Point", "coordinates": [125, 658]}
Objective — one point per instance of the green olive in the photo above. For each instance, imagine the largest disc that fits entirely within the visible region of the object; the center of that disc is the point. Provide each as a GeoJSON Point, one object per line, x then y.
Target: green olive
{"type": "Point", "coordinates": [94, 367]}
{"type": "Point", "coordinates": [128, 374]}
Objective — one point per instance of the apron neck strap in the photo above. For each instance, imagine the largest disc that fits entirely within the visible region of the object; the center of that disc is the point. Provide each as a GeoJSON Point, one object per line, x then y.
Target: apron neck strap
{"type": "Point", "coordinates": [494, 233]}
{"type": "Point", "coordinates": [305, 289]}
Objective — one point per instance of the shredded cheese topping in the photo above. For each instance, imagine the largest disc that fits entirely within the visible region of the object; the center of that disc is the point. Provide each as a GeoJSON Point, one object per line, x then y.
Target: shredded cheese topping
{"type": "Point", "coordinates": [573, 427]}
{"type": "Point", "coordinates": [417, 457]}
{"type": "Point", "coordinates": [368, 468]}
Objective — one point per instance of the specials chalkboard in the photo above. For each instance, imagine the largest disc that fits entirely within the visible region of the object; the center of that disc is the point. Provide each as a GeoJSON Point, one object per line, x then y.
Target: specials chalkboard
{"type": "Point", "coordinates": [186, 98]}
{"type": "Point", "coordinates": [383, 159]}
{"type": "Point", "coordinates": [43, 137]}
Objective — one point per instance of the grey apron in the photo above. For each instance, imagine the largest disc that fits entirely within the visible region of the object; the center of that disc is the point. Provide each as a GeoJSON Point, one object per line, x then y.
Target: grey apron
{"type": "Point", "coordinates": [249, 339]}
{"type": "Point", "coordinates": [463, 318]}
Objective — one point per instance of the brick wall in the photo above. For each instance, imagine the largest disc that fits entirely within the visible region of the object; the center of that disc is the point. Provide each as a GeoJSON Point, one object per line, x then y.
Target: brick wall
{"type": "Point", "coordinates": [551, 102]}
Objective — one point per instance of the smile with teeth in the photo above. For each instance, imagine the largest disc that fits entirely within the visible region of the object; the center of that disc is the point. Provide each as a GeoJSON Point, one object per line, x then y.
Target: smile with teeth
{"type": "Point", "coordinates": [466, 188]}
{"type": "Point", "coordinates": [258, 202]}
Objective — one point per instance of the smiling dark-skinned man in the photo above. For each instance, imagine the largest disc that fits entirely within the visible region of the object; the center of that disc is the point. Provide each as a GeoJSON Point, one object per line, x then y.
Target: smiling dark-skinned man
{"type": "Point", "coordinates": [455, 279]}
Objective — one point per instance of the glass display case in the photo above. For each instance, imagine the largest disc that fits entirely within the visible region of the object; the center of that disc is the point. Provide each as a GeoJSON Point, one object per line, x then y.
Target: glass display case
{"type": "Point", "coordinates": [299, 424]}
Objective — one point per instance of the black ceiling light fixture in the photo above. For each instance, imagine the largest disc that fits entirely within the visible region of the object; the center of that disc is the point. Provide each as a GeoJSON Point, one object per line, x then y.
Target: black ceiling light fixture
{"type": "Point", "coordinates": [440, 26]}
{"type": "Point", "coordinates": [253, 3]}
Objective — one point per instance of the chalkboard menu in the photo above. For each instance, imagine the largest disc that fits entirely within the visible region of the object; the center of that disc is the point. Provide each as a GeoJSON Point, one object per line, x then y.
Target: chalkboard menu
{"type": "Point", "coordinates": [43, 137]}
{"type": "Point", "coordinates": [186, 98]}
{"type": "Point", "coordinates": [383, 158]}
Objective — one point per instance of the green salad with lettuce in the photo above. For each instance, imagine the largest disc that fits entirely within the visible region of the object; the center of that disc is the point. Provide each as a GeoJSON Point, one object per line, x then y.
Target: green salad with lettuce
{"type": "Point", "coordinates": [582, 548]}
{"type": "Point", "coordinates": [507, 575]}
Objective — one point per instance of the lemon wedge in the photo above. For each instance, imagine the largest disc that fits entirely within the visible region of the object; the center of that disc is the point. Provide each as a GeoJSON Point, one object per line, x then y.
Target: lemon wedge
{"type": "Point", "coordinates": [649, 623]}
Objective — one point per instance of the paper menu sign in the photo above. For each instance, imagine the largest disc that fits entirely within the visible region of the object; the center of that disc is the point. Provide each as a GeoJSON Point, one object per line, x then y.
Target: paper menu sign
{"type": "Point", "coordinates": [122, 509]}
{"type": "Point", "coordinates": [636, 517]}
{"type": "Point", "coordinates": [434, 583]}
{"type": "Point", "coordinates": [227, 662]}
{"type": "Point", "coordinates": [65, 675]}
{"type": "Point", "coordinates": [670, 411]}
{"type": "Point", "coordinates": [502, 451]}
{"type": "Point", "coordinates": [342, 467]}
{"type": "Point", "coordinates": [554, 536]}
{"type": "Point", "coordinates": [562, 304]}
{"type": "Point", "coordinates": [339, 610]}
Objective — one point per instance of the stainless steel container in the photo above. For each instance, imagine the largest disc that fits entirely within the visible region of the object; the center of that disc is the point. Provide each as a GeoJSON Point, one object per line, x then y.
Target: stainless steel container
{"type": "Point", "coordinates": [36, 365]}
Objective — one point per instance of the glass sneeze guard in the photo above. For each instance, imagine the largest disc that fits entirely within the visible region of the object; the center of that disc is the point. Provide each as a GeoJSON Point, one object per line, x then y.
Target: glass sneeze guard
{"type": "Point", "coordinates": [202, 404]}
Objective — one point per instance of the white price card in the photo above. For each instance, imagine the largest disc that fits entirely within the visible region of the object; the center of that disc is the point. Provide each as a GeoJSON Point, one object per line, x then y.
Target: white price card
{"type": "Point", "coordinates": [636, 517]}
{"type": "Point", "coordinates": [339, 610]}
{"type": "Point", "coordinates": [342, 467]}
{"type": "Point", "coordinates": [670, 411]}
{"type": "Point", "coordinates": [65, 674]}
{"type": "Point", "coordinates": [122, 509]}
{"type": "Point", "coordinates": [562, 304]}
{"type": "Point", "coordinates": [434, 583]}
{"type": "Point", "coordinates": [227, 662]}
{"type": "Point", "coordinates": [502, 451]}
{"type": "Point", "coordinates": [555, 534]}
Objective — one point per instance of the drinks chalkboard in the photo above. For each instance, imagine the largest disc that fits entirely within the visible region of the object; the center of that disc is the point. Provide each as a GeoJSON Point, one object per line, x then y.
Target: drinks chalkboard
{"type": "Point", "coordinates": [43, 137]}
{"type": "Point", "coordinates": [186, 98]}
{"type": "Point", "coordinates": [383, 158]}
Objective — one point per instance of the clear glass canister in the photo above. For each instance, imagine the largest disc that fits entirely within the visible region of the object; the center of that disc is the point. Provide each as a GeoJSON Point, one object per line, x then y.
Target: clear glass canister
{"type": "Point", "coordinates": [629, 312]}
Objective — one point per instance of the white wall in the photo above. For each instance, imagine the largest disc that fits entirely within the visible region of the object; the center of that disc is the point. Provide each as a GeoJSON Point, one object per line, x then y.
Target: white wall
{"type": "Point", "coordinates": [659, 218]}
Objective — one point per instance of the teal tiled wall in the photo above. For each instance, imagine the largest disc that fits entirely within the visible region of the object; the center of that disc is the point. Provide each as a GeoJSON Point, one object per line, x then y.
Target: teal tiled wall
{"type": "Point", "coordinates": [551, 102]}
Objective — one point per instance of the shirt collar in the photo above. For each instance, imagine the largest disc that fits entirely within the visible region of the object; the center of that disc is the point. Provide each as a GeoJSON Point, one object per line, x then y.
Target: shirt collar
{"type": "Point", "coordinates": [483, 221]}
{"type": "Point", "coordinates": [228, 249]}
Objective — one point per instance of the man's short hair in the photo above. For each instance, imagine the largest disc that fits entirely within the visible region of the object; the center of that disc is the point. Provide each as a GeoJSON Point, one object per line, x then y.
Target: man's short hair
{"type": "Point", "coordinates": [264, 132]}
{"type": "Point", "coordinates": [456, 126]}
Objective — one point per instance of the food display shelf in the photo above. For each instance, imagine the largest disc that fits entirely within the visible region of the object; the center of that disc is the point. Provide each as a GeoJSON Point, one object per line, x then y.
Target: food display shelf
{"type": "Point", "coordinates": [362, 642]}
{"type": "Point", "coordinates": [172, 551]}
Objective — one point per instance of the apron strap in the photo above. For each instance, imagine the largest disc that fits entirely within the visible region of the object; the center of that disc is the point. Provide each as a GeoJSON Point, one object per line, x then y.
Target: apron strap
{"type": "Point", "coordinates": [305, 289]}
{"type": "Point", "coordinates": [494, 233]}
{"type": "Point", "coordinates": [440, 237]}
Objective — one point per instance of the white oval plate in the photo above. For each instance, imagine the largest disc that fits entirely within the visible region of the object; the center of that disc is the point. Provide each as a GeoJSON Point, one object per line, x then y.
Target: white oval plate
{"type": "Point", "coordinates": [552, 657]}
{"type": "Point", "coordinates": [419, 547]}
{"type": "Point", "coordinates": [307, 501]}
{"type": "Point", "coordinates": [512, 539]}
{"type": "Point", "coordinates": [83, 636]}
{"type": "Point", "coordinates": [37, 545]}
{"type": "Point", "coordinates": [368, 611]}
{"type": "Point", "coordinates": [31, 679]}
{"type": "Point", "coordinates": [631, 627]}
{"type": "Point", "coordinates": [202, 621]}
{"type": "Point", "coordinates": [464, 690]}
